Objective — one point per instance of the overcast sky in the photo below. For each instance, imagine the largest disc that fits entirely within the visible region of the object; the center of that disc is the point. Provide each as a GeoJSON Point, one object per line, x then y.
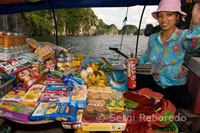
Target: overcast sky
{"type": "Point", "coordinates": [117, 15]}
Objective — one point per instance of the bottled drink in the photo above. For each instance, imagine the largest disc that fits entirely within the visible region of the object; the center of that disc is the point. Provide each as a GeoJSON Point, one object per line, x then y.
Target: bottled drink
{"type": "Point", "coordinates": [12, 49]}
{"type": "Point", "coordinates": [7, 49]}
{"type": "Point", "coordinates": [68, 57]}
{"type": "Point", "coordinates": [1, 49]}
{"type": "Point", "coordinates": [27, 48]}
{"type": "Point", "coordinates": [60, 60]}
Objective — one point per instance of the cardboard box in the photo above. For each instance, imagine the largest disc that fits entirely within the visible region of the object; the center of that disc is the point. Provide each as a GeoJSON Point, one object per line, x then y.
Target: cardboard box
{"type": "Point", "coordinates": [8, 56]}
{"type": "Point", "coordinates": [10, 41]}
{"type": "Point", "coordinates": [55, 111]}
{"type": "Point", "coordinates": [74, 125]}
{"type": "Point", "coordinates": [117, 122]}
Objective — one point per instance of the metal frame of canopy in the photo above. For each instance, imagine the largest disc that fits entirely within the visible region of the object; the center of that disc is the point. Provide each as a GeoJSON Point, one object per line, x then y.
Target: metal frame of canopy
{"type": "Point", "coordinates": [17, 6]}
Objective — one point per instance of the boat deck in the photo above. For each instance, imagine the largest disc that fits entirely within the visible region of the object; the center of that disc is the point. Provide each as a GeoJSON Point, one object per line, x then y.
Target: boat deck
{"type": "Point", "coordinates": [187, 121]}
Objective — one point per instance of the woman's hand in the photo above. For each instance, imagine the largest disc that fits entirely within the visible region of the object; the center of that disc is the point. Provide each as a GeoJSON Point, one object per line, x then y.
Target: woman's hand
{"type": "Point", "coordinates": [132, 59]}
{"type": "Point", "coordinates": [196, 14]}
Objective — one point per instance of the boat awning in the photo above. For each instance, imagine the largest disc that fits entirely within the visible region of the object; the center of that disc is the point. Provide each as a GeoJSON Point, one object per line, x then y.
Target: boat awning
{"type": "Point", "coordinates": [18, 6]}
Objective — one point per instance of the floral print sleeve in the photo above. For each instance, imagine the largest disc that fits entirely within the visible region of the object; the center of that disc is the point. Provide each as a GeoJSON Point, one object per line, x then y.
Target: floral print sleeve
{"type": "Point", "coordinates": [191, 38]}
{"type": "Point", "coordinates": [145, 58]}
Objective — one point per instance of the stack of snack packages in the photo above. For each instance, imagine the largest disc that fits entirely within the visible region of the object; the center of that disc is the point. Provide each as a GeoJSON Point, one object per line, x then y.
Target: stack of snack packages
{"type": "Point", "coordinates": [39, 88]}
{"type": "Point", "coordinates": [53, 86]}
{"type": "Point", "coordinates": [102, 102]}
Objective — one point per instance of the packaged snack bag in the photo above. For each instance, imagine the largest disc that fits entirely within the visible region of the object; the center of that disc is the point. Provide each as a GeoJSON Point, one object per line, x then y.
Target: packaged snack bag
{"type": "Point", "coordinates": [55, 111]}
{"type": "Point", "coordinates": [79, 95]}
{"type": "Point", "coordinates": [15, 111]}
{"type": "Point", "coordinates": [15, 94]}
{"type": "Point", "coordinates": [32, 95]}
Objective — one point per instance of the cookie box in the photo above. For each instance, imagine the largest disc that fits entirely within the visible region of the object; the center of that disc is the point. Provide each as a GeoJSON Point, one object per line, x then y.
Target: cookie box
{"type": "Point", "coordinates": [74, 125]}
{"type": "Point", "coordinates": [57, 87]}
{"type": "Point", "coordinates": [32, 95]}
{"type": "Point", "coordinates": [56, 93]}
{"type": "Point", "coordinates": [15, 111]}
{"type": "Point", "coordinates": [55, 111]}
{"type": "Point", "coordinates": [53, 81]}
{"type": "Point", "coordinates": [78, 96]}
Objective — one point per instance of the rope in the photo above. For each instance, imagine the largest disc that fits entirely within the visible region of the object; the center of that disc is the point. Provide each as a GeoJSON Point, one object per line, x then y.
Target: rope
{"type": "Point", "coordinates": [123, 31]}
{"type": "Point", "coordinates": [140, 26]}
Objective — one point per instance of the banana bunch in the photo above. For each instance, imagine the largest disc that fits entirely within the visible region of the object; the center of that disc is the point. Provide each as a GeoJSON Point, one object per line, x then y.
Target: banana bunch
{"type": "Point", "coordinates": [78, 57]}
{"type": "Point", "coordinates": [95, 65]}
{"type": "Point", "coordinates": [102, 73]}
{"type": "Point", "coordinates": [95, 80]}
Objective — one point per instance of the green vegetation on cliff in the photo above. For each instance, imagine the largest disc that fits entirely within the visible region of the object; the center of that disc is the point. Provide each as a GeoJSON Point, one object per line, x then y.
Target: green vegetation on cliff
{"type": "Point", "coordinates": [39, 20]}
{"type": "Point", "coordinates": [128, 30]}
{"type": "Point", "coordinates": [107, 29]}
{"type": "Point", "coordinates": [69, 21]}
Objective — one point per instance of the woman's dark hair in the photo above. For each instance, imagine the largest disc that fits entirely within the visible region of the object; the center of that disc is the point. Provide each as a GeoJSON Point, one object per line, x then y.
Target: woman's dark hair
{"type": "Point", "coordinates": [187, 8]}
{"type": "Point", "coordinates": [179, 21]}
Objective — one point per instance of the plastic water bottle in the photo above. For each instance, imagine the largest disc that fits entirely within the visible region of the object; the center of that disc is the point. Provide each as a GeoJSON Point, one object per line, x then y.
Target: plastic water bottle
{"type": "Point", "coordinates": [1, 49]}
{"type": "Point", "coordinates": [68, 57]}
{"type": "Point", "coordinates": [27, 48]}
{"type": "Point", "coordinates": [60, 60]}
{"type": "Point", "coordinates": [6, 50]}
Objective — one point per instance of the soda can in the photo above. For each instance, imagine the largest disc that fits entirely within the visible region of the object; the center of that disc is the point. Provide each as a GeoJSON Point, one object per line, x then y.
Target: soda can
{"type": "Point", "coordinates": [132, 74]}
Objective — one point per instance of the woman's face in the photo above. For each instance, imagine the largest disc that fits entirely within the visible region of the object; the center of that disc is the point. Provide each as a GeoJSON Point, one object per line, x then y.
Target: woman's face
{"type": "Point", "coordinates": [167, 20]}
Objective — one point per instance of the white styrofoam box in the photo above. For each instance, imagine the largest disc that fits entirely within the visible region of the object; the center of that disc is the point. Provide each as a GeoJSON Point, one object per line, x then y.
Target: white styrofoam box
{"type": "Point", "coordinates": [8, 56]}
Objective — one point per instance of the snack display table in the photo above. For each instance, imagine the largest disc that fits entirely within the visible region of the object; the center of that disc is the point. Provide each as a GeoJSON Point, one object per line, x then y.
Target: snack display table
{"type": "Point", "coordinates": [116, 122]}
{"type": "Point", "coordinates": [80, 131]}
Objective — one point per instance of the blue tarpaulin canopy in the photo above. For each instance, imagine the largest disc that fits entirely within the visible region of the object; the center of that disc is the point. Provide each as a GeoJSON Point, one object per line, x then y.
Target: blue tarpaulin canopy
{"type": "Point", "coordinates": [17, 6]}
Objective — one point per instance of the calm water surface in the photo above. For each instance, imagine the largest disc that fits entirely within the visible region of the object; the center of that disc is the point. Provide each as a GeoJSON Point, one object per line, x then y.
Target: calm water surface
{"type": "Point", "coordinates": [98, 46]}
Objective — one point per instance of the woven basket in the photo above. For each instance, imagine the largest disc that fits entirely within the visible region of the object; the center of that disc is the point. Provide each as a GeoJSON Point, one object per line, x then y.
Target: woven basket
{"type": "Point", "coordinates": [4, 88]}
